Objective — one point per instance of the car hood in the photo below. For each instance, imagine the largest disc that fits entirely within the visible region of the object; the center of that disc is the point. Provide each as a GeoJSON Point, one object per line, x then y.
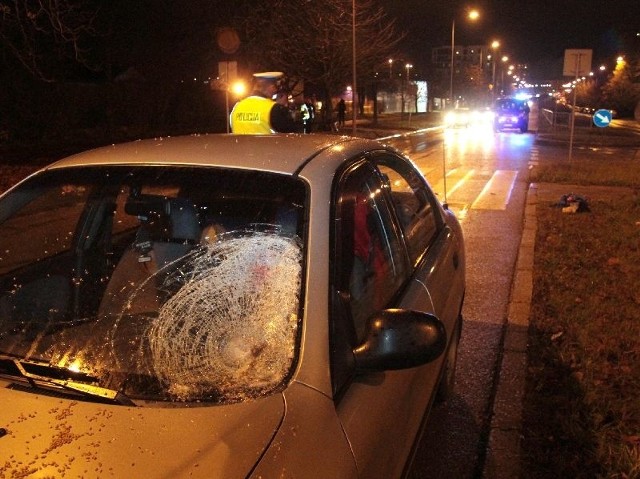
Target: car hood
{"type": "Point", "coordinates": [43, 436]}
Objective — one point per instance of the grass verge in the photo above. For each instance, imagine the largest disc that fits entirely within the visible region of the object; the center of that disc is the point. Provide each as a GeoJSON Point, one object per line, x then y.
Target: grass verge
{"type": "Point", "coordinates": [582, 408]}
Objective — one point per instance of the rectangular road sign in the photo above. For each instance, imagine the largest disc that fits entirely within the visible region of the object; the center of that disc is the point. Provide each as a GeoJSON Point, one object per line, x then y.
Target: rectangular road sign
{"type": "Point", "coordinates": [227, 71]}
{"type": "Point", "coordinates": [577, 63]}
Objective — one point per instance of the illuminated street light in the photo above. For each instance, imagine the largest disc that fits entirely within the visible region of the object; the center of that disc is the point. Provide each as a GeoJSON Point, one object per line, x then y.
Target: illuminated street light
{"type": "Point", "coordinates": [408, 67]}
{"type": "Point", "coordinates": [472, 15]}
{"type": "Point", "coordinates": [390, 68]}
{"type": "Point", "coordinates": [238, 88]}
{"type": "Point", "coordinates": [504, 59]}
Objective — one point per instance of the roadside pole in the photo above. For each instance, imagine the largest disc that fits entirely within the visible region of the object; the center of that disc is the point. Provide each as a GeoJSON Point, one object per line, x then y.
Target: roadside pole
{"type": "Point", "coordinates": [444, 168]}
{"type": "Point", "coordinates": [573, 111]}
{"type": "Point", "coordinates": [577, 63]}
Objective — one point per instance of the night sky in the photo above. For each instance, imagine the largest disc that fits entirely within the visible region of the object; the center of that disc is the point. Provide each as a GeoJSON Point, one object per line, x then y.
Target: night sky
{"type": "Point", "coordinates": [532, 32]}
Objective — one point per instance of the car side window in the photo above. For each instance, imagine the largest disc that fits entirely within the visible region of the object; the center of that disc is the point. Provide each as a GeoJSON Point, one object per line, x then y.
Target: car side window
{"type": "Point", "coordinates": [413, 204]}
{"type": "Point", "coordinates": [370, 263]}
{"type": "Point", "coordinates": [377, 254]}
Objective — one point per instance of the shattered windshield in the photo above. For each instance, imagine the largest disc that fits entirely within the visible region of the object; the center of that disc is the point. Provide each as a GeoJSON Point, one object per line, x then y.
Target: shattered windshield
{"type": "Point", "coordinates": [171, 284]}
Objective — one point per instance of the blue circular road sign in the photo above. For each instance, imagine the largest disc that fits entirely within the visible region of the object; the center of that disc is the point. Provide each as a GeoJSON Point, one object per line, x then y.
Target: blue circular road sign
{"type": "Point", "coordinates": [602, 118]}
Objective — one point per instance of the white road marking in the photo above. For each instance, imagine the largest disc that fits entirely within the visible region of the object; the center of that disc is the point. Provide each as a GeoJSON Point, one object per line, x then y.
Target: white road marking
{"type": "Point", "coordinates": [497, 192]}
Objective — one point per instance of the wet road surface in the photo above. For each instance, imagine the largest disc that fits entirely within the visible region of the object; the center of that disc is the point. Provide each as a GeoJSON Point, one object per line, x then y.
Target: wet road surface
{"type": "Point", "coordinates": [486, 182]}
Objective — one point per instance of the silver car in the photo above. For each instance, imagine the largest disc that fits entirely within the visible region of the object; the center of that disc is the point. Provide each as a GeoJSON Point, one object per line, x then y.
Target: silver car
{"type": "Point", "coordinates": [225, 306]}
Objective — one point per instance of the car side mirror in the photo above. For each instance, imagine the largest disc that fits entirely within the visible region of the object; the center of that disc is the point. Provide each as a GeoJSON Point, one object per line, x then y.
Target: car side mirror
{"type": "Point", "coordinates": [400, 339]}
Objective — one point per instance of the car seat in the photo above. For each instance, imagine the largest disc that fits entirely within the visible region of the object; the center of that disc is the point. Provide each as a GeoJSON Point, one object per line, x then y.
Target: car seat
{"type": "Point", "coordinates": [169, 229]}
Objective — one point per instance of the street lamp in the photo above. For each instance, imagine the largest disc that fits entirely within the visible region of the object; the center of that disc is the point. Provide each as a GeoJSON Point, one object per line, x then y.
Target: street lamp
{"type": "Point", "coordinates": [494, 45]}
{"type": "Point", "coordinates": [390, 68]}
{"type": "Point", "coordinates": [238, 88]}
{"type": "Point", "coordinates": [408, 66]}
{"type": "Point", "coordinates": [472, 15]}
{"type": "Point", "coordinates": [353, 53]}
{"type": "Point", "coordinates": [504, 60]}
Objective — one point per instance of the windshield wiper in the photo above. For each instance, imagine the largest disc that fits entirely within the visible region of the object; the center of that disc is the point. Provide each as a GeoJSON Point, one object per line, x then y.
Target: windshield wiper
{"type": "Point", "coordinates": [84, 388]}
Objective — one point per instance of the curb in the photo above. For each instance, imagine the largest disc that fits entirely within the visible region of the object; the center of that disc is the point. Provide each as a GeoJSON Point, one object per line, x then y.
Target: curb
{"type": "Point", "coordinates": [505, 434]}
{"type": "Point", "coordinates": [598, 142]}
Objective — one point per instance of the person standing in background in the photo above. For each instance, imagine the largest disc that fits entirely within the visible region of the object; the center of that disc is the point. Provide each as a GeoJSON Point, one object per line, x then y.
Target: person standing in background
{"type": "Point", "coordinates": [260, 113]}
{"type": "Point", "coordinates": [342, 111]}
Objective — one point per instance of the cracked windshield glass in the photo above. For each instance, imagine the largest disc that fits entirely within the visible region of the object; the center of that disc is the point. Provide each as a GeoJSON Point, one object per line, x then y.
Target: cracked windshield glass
{"type": "Point", "coordinates": [164, 284]}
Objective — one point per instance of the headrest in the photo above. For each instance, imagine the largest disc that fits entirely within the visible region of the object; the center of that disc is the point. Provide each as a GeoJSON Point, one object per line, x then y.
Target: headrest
{"type": "Point", "coordinates": [174, 218]}
{"type": "Point", "coordinates": [183, 216]}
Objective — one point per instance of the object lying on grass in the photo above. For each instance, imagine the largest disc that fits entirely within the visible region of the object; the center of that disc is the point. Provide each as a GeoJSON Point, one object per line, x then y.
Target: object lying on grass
{"type": "Point", "coordinates": [573, 204]}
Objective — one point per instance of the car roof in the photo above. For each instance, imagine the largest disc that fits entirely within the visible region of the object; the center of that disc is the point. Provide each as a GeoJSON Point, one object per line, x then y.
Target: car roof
{"type": "Point", "coordinates": [286, 154]}
{"type": "Point", "coordinates": [510, 100]}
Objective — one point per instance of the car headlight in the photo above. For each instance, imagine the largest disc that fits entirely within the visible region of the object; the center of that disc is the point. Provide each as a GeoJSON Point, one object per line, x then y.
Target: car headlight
{"type": "Point", "coordinates": [450, 118]}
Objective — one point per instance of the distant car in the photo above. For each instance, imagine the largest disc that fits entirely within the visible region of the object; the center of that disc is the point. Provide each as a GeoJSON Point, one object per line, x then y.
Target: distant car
{"type": "Point", "coordinates": [457, 117]}
{"type": "Point", "coordinates": [511, 113]}
{"type": "Point", "coordinates": [225, 306]}
{"type": "Point", "coordinates": [466, 117]}
{"type": "Point", "coordinates": [481, 117]}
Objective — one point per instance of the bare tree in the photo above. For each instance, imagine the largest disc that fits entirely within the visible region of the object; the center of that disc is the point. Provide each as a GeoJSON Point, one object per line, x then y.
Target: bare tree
{"type": "Point", "coordinates": [45, 35]}
{"type": "Point", "coordinates": [312, 41]}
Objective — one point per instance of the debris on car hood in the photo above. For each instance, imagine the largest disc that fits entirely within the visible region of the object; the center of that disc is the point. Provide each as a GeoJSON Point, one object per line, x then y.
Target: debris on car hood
{"type": "Point", "coordinates": [47, 436]}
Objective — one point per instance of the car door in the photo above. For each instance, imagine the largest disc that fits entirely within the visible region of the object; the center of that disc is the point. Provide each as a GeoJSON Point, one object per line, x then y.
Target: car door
{"type": "Point", "coordinates": [381, 413]}
{"type": "Point", "coordinates": [434, 248]}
